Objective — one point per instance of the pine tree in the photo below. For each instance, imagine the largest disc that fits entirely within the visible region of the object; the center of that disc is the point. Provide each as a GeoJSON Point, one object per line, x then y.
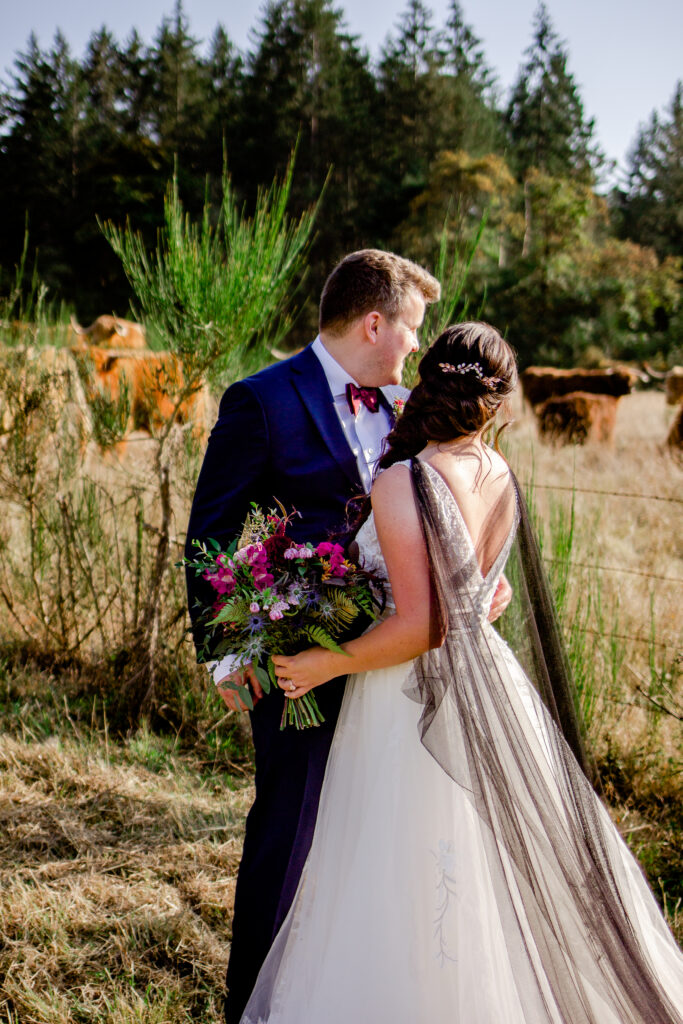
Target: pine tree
{"type": "Point", "coordinates": [40, 158]}
{"type": "Point", "coordinates": [179, 111]}
{"type": "Point", "coordinates": [138, 88]}
{"type": "Point", "coordinates": [545, 119]}
{"type": "Point", "coordinates": [471, 120]}
{"type": "Point", "coordinates": [307, 80]}
{"type": "Point", "coordinates": [652, 205]}
{"type": "Point", "coordinates": [413, 103]}
{"type": "Point", "coordinates": [120, 167]}
{"type": "Point", "coordinates": [223, 72]}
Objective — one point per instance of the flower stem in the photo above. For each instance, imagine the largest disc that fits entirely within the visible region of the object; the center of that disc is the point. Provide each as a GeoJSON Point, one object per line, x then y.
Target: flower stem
{"type": "Point", "coordinates": [301, 712]}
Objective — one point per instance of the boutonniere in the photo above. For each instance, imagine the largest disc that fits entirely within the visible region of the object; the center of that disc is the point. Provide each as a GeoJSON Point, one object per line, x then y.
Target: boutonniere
{"type": "Point", "coordinates": [397, 407]}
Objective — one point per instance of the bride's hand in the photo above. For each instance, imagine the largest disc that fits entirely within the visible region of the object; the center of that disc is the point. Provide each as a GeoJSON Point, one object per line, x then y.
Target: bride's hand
{"type": "Point", "coordinates": [302, 671]}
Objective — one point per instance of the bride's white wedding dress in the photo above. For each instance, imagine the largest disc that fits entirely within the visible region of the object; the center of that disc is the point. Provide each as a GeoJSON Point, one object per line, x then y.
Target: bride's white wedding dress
{"type": "Point", "coordinates": [404, 915]}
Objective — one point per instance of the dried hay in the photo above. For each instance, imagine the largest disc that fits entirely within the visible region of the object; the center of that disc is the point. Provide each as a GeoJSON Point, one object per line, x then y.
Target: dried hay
{"type": "Point", "coordinates": [116, 885]}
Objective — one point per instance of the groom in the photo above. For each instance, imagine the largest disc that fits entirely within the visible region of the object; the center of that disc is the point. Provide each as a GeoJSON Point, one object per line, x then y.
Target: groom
{"type": "Point", "coordinates": [307, 432]}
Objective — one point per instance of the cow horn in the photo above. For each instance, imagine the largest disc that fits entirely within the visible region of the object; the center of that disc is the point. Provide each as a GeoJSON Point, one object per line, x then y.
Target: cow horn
{"type": "Point", "coordinates": [651, 372]}
{"type": "Point", "coordinates": [76, 327]}
{"type": "Point", "coordinates": [120, 329]}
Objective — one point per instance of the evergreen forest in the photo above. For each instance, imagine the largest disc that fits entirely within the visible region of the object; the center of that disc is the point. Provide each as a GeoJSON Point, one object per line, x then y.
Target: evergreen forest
{"type": "Point", "coordinates": [417, 146]}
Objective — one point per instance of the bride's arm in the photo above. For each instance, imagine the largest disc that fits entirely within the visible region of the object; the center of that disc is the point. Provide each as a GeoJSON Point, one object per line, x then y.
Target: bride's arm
{"type": "Point", "coordinates": [410, 630]}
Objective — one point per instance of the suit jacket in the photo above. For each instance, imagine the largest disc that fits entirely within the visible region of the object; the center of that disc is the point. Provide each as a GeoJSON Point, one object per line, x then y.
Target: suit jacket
{"type": "Point", "coordinates": [278, 436]}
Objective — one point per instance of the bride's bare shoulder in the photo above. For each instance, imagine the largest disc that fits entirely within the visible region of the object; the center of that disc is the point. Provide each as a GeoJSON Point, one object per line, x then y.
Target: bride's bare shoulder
{"type": "Point", "coordinates": [394, 479]}
{"type": "Point", "coordinates": [392, 492]}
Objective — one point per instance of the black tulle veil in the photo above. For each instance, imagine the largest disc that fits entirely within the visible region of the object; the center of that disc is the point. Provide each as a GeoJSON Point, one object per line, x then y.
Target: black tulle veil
{"type": "Point", "coordinates": [544, 831]}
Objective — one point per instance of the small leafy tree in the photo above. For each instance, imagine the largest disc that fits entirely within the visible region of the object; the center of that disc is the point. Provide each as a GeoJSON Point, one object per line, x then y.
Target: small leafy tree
{"type": "Point", "coordinates": [218, 292]}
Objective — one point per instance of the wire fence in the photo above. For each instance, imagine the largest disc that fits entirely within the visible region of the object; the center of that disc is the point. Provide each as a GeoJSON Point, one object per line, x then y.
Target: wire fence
{"type": "Point", "coordinates": [614, 568]}
{"type": "Point", "coordinates": [669, 645]}
{"type": "Point", "coordinates": [610, 494]}
{"type": "Point", "coordinates": [648, 641]}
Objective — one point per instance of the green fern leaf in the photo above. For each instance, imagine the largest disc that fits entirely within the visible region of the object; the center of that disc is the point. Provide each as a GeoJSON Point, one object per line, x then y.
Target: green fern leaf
{"type": "Point", "coordinates": [320, 637]}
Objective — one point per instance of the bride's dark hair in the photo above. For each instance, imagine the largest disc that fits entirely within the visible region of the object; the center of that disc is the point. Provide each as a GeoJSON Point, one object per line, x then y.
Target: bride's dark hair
{"type": "Point", "coordinates": [464, 378]}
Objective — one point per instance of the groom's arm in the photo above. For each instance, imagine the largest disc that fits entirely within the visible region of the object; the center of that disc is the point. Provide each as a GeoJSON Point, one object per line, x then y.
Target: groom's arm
{"type": "Point", "coordinates": [233, 475]}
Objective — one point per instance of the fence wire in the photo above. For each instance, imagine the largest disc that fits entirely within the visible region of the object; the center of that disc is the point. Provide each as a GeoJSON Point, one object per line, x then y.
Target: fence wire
{"type": "Point", "coordinates": [610, 494]}
{"type": "Point", "coordinates": [613, 568]}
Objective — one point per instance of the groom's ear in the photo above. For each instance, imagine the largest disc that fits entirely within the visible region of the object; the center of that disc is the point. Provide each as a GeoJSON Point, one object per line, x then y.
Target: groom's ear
{"type": "Point", "coordinates": [371, 323]}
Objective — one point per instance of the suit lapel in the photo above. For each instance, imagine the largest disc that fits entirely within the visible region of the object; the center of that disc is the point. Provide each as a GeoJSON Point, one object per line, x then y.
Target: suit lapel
{"type": "Point", "coordinates": [309, 380]}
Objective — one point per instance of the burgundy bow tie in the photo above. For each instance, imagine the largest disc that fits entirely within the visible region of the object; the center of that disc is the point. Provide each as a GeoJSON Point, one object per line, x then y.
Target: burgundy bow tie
{"type": "Point", "coordinates": [368, 396]}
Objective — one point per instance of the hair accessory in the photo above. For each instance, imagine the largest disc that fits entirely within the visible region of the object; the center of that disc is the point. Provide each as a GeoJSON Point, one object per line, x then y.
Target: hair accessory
{"type": "Point", "coordinates": [470, 368]}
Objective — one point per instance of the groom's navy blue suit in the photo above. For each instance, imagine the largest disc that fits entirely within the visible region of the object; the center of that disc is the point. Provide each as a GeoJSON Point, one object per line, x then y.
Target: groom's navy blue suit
{"type": "Point", "coordinates": [278, 436]}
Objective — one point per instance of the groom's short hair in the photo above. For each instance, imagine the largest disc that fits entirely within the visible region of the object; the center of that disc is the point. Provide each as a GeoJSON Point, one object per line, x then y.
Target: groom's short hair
{"type": "Point", "coordinates": [372, 279]}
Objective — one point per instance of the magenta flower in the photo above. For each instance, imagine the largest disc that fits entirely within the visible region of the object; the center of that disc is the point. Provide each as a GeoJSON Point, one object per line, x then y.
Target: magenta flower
{"type": "Point", "coordinates": [222, 581]}
{"type": "Point", "coordinates": [335, 552]}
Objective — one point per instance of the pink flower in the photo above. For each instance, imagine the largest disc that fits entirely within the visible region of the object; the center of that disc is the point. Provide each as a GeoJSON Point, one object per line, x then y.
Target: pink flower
{"type": "Point", "coordinates": [333, 559]}
{"type": "Point", "coordinates": [252, 554]}
{"type": "Point", "coordinates": [262, 578]}
{"type": "Point", "coordinates": [298, 551]}
{"type": "Point", "coordinates": [335, 552]}
{"type": "Point", "coordinates": [256, 557]}
{"type": "Point", "coordinates": [253, 607]}
{"type": "Point", "coordinates": [278, 609]}
{"type": "Point", "coordinates": [222, 580]}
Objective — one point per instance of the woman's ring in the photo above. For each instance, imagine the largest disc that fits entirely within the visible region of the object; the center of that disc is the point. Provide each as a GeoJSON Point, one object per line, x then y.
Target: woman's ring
{"type": "Point", "coordinates": [292, 686]}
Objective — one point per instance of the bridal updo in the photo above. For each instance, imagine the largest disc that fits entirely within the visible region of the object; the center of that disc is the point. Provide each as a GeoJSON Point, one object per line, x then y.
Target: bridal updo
{"type": "Point", "coordinates": [465, 376]}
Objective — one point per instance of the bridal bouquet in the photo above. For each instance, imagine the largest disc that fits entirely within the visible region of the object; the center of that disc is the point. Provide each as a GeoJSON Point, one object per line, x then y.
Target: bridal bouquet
{"type": "Point", "coordinates": [274, 596]}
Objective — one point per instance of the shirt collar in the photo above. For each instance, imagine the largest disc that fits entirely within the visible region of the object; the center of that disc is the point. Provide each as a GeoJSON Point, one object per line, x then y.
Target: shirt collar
{"type": "Point", "coordinates": [337, 376]}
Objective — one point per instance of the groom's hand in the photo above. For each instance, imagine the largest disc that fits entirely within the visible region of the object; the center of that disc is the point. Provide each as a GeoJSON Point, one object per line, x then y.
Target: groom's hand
{"type": "Point", "coordinates": [243, 677]}
{"type": "Point", "coordinates": [501, 599]}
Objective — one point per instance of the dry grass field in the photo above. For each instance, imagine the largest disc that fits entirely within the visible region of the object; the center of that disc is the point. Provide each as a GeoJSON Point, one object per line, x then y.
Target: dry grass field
{"type": "Point", "coordinates": [118, 850]}
{"type": "Point", "coordinates": [117, 867]}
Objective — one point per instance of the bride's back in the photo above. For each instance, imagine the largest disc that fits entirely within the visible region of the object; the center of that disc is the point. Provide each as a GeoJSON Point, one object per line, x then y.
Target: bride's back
{"type": "Point", "coordinates": [480, 482]}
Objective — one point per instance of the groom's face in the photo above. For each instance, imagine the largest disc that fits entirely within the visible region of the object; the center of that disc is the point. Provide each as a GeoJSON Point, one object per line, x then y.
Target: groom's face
{"type": "Point", "coordinates": [397, 338]}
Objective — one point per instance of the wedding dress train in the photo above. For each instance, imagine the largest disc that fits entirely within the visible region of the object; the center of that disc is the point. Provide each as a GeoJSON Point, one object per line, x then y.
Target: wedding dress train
{"type": "Point", "coordinates": [462, 869]}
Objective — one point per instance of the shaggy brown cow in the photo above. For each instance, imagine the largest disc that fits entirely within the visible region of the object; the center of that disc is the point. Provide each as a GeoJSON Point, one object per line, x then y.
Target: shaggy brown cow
{"type": "Point", "coordinates": [577, 417]}
{"type": "Point", "coordinates": [150, 383]}
{"type": "Point", "coordinates": [674, 385]}
{"type": "Point", "coordinates": [540, 383]}
{"type": "Point", "coordinates": [110, 332]}
{"type": "Point", "coordinates": [675, 436]}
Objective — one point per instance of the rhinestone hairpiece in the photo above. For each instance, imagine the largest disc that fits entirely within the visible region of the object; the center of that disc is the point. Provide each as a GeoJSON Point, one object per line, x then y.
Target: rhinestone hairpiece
{"type": "Point", "coordinates": [470, 368]}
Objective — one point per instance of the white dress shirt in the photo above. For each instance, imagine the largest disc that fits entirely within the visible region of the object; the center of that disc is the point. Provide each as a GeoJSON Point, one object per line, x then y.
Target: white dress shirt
{"type": "Point", "coordinates": [366, 430]}
{"type": "Point", "coordinates": [364, 433]}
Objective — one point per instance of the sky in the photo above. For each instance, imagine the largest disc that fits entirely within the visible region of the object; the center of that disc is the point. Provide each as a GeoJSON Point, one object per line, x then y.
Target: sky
{"type": "Point", "coordinates": [625, 55]}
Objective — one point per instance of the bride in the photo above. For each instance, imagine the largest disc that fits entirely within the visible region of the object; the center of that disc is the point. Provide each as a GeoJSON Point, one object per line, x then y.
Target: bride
{"type": "Point", "coordinates": [462, 868]}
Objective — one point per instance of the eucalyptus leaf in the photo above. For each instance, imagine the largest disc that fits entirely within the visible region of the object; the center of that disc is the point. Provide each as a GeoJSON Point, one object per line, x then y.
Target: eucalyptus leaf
{"type": "Point", "coordinates": [262, 676]}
